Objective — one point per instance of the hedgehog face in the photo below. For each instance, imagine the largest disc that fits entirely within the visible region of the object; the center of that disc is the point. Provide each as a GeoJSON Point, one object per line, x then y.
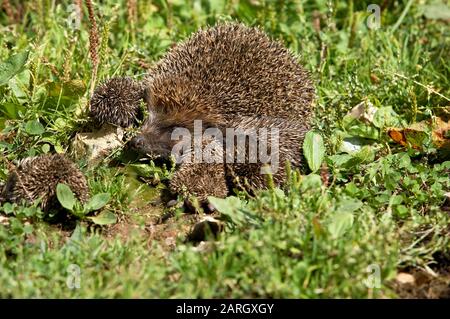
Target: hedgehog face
{"type": "Point", "coordinates": [154, 140]}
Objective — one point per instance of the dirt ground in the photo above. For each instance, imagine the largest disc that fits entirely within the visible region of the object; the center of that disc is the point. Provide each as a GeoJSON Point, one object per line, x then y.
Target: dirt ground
{"type": "Point", "coordinates": [434, 284]}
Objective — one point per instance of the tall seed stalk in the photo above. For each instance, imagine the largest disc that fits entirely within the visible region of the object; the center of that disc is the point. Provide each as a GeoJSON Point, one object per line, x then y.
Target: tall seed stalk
{"type": "Point", "coordinates": [93, 45]}
{"type": "Point", "coordinates": [132, 17]}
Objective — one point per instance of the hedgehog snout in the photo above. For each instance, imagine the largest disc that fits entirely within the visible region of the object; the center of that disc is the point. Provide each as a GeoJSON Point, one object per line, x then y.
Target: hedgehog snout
{"type": "Point", "coordinates": [153, 143]}
{"type": "Point", "coordinates": [137, 142]}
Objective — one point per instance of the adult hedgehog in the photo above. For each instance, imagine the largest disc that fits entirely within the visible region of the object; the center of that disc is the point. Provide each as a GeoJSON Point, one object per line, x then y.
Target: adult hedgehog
{"type": "Point", "coordinates": [227, 76]}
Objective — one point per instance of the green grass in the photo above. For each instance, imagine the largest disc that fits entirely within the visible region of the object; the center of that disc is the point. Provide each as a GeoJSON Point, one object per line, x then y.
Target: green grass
{"type": "Point", "coordinates": [380, 212]}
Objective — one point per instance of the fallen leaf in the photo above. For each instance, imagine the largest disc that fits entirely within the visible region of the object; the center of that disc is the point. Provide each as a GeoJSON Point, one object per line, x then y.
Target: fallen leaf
{"type": "Point", "coordinates": [364, 111]}
{"type": "Point", "coordinates": [97, 145]}
{"type": "Point", "coordinates": [404, 278]}
{"type": "Point", "coordinates": [415, 134]}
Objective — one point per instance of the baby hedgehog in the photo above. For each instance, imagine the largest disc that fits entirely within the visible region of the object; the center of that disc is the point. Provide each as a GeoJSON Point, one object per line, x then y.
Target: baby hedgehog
{"type": "Point", "coordinates": [117, 101]}
{"type": "Point", "coordinates": [228, 76]}
{"type": "Point", "coordinates": [37, 177]}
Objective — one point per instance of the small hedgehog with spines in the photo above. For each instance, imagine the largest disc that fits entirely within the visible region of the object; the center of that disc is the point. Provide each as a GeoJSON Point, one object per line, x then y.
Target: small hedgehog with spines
{"type": "Point", "coordinates": [117, 101]}
{"type": "Point", "coordinates": [37, 177]}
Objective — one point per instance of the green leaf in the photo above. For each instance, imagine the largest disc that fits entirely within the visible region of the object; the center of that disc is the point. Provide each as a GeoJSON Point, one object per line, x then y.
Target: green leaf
{"type": "Point", "coordinates": [364, 130]}
{"type": "Point", "coordinates": [60, 124]}
{"type": "Point", "coordinates": [226, 205]}
{"type": "Point", "coordinates": [385, 117]}
{"type": "Point", "coordinates": [349, 205]}
{"type": "Point", "coordinates": [401, 211]}
{"type": "Point", "coordinates": [351, 189]}
{"type": "Point", "coordinates": [340, 223]}
{"type": "Point", "coordinates": [76, 236]}
{"type": "Point", "coordinates": [404, 161]}
{"type": "Point", "coordinates": [311, 182]}
{"type": "Point", "coordinates": [8, 208]}
{"type": "Point", "coordinates": [2, 123]}
{"type": "Point", "coordinates": [97, 202]}
{"type": "Point", "coordinates": [279, 193]}
{"type": "Point", "coordinates": [396, 200]}
{"type": "Point", "coordinates": [104, 218]}
{"type": "Point", "coordinates": [58, 148]}
{"type": "Point", "coordinates": [20, 85]}
{"type": "Point", "coordinates": [34, 127]}
{"type": "Point", "coordinates": [314, 150]}
{"type": "Point", "coordinates": [366, 154]}
{"type": "Point", "coordinates": [232, 208]}
{"type": "Point", "coordinates": [340, 159]}
{"type": "Point", "coordinates": [11, 110]}
{"type": "Point", "coordinates": [143, 170]}
{"type": "Point", "coordinates": [28, 229]}
{"type": "Point", "coordinates": [65, 196]}
{"type": "Point", "coordinates": [342, 220]}
{"type": "Point", "coordinates": [45, 148]}
{"type": "Point", "coordinates": [12, 66]}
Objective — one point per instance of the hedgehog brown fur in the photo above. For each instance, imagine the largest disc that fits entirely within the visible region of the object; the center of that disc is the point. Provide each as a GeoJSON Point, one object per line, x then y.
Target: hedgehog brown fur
{"type": "Point", "coordinates": [37, 177]}
{"type": "Point", "coordinates": [227, 76]}
{"type": "Point", "coordinates": [117, 101]}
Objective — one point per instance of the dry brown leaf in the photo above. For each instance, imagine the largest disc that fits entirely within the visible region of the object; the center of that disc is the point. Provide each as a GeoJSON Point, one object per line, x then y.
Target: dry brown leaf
{"type": "Point", "coordinates": [416, 133]}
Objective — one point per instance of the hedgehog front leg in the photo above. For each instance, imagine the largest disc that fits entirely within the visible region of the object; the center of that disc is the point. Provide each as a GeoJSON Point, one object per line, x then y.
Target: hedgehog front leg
{"type": "Point", "coordinates": [201, 180]}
